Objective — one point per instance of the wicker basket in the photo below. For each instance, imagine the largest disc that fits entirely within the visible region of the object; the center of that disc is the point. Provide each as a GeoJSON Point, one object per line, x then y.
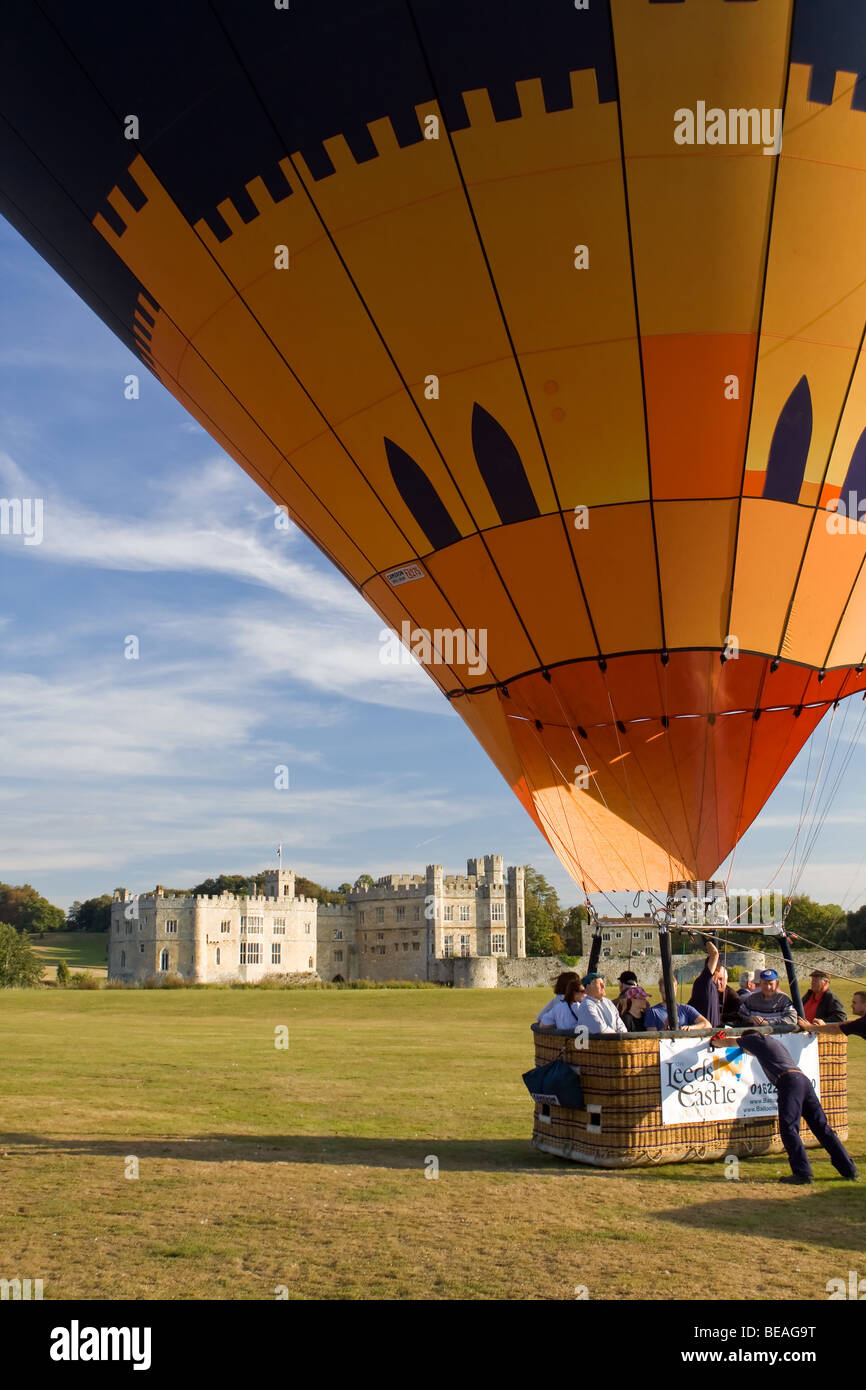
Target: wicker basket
{"type": "Point", "coordinates": [621, 1125]}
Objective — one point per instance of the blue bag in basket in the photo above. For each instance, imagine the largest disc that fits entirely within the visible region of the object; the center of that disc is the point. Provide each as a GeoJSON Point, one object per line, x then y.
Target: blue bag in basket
{"type": "Point", "coordinates": [555, 1084]}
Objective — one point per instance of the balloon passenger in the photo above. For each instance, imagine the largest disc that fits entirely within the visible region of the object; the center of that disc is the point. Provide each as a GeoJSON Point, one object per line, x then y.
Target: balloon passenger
{"type": "Point", "coordinates": [767, 1004]}
{"type": "Point", "coordinates": [560, 986]}
{"type": "Point", "coordinates": [857, 1025]}
{"type": "Point", "coordinates": [626, 980]}
{"type": "Point", "coordinates": [711, 994]}
{"type": "Point", "coordinates": [819, 1001]}
{"type": "Point", "coordinates": [688, 1017]}
{"type": "Point", "coordinates": [796, 1097]}
{"type": "Point", "coordinates": [748, 984]}
{"type": "Point", "coordinates": [565, 1013]}
{"type": "Point", "coordinates": [598, 1014]}
{"type": "Point", "coordinates": [632, 1006]}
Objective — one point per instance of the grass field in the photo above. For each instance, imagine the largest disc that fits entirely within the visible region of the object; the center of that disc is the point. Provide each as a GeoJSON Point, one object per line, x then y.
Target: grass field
{"type": "Point", "coordinates": [81, 951]}
{"type": "Point", "coordinates": [260, 1167]}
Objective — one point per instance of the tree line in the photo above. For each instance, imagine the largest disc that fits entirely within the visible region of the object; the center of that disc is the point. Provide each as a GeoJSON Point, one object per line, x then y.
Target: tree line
{"type": "Point", "coordinates": [551, 929]}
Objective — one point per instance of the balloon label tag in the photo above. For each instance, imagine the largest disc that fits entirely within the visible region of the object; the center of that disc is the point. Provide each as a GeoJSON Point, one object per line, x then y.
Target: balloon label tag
{"type": "Point", "coordinates": [405, 575]}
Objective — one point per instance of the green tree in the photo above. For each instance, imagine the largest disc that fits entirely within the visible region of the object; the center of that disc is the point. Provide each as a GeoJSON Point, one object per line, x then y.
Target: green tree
{"type": "Point", "coordinates": [306, 888]}
{"type": "Point", "coordinates": [344, 888]}
{"type": "Point", "coordinates": [26, 910]}
{"type": "Point", "coordinates": [62, 974]}
{"type": "Point", "coordinates": [364, 881]}
{"type": "Point", "coordinates": [545, 919]}
{"type": "Point", "coordinates": [20, 967]}
{"type": "Point", "coordinates": [851, 935]}
{"type": "Point", "coordinates": [820, 922]}
{"type": "Point", "coordinates": [238, 884]}
{"type": "Point", "coordinates": [94, 914]}
{"type": "Point", "coordinates": [575, 918]}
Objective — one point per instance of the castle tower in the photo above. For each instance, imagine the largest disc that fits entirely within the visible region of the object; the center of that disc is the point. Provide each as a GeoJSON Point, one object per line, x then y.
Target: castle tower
{"type": "Point", "coordinates": [279, 883]}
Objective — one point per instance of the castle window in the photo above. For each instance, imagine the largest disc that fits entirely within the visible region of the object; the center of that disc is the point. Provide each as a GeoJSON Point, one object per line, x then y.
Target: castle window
{"type": "Point", "coordinates": [276, 952]}
{"type": "Point", "coordinates": [401, 914]}
{"type": "Point", "coordinates": [464, 945]}
{"type": "Point", "coordinates": [416, 945]}
{"type": "Point", "coordinates": [618, 935]}
{"type": "Point", "coordinates": [279, 926]}
{"type": "Point", "coordinates": [448, 946]}
{"type": "Point", "coordinates": [171, 927]}
{"type": "Point", "coordinates": [217, 955]}
{"type": "Point", "coordinates": [122, 959]}
{"type": "Point", "coordinates": [605, 936]}
{"type": "Point", "coordinates": [380, 914]}
{"type": "Point", "coordinates": [417, 912]}
{"type": "Point", "coordinates": [286, 889]}
{"type": "Point", "coordinates": [405, 945]}
{"type": "Point", "coordinates": [381, 950]}
{"type": "Point", "coordinates": [225, 926]}
{"type": "Point", "coordinates": [251, 953]}
{"type": "Point", "coordinates": [380, 936]}
{"type": "Point", "coordinates": [338, 934]}
{"type": "Point", "coordinates": [605, 953]}
{"type": "Point", "coordinates": [647, 936]}
{"type": "Point", "coordinates": [311, 962]}
{"type": "Point", "coordinates": [464, 912]}
{"type": "Point", "coordinates": [306, 929]}
{"type": "Point", "coordinates": [448, 914]}
{"type": "Point", "coordinates": [252, 926]}
{"type": "Point", "coordinates": [163, 960]}
{"type": "Point", "coordinates": [141, 948]}
{"type": "Point", "coordinates": [129, 929]}
{"type": "Point", "coordinates": [362, 917]}
{"type": "Point", "coordinates": [338, 956]}
{"type": "Point", "coordinates": [497, 943]}
{"type": "Point", "coordinates": [650, 950]}
{"type": "Point", "coordinates": [497, 912]}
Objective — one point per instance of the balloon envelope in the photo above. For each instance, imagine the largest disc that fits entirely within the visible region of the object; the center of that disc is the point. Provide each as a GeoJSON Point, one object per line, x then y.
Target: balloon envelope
{"type": "Point", "coordinates": [544, 323]}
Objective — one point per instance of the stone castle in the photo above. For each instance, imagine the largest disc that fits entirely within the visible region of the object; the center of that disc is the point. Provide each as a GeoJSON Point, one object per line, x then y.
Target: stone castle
{"type": "Point", "coordinates": [447, 928]}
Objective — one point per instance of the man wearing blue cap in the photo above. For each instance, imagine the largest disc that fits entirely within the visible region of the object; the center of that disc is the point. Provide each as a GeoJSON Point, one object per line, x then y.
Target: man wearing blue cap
{"type": "Point", "coordinates": [767, 1004]}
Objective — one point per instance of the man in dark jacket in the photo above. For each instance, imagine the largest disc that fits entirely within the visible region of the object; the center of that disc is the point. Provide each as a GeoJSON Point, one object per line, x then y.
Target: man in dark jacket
{"type": "Point", "coordinates": [820, 1002]}
{"type": "Point", "coordinates": [711, 995]}
{"type": "Point", "coordinates": [796, 1098]}
{"type": "Point", "coordinates": [857, 1025]}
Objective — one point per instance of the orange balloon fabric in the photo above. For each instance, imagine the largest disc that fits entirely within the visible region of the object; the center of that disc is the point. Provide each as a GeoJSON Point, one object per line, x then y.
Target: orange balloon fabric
{"type": "Point", "coordinates": [545, 324]}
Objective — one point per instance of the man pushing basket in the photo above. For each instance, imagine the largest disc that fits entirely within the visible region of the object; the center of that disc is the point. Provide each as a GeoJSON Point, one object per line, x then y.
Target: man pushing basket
{"type": "Point", "coordinates": [796, 1099]}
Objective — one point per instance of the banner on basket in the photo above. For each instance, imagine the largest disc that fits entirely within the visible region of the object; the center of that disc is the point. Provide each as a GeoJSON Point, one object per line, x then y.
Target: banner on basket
{"type": "Point", "coordinates": [700, 1084]}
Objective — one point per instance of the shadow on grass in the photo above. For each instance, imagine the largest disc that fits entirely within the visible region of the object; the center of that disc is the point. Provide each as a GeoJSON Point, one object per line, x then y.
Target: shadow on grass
{"type": "Point", "coordinates": [454, 1155]}
{"type": "Point", "coordinates": [829, 1213]}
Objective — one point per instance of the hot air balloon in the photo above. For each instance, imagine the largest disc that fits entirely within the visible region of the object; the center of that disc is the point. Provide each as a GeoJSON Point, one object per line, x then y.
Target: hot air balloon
{"type": "Point", "coordinates": [543, 322]}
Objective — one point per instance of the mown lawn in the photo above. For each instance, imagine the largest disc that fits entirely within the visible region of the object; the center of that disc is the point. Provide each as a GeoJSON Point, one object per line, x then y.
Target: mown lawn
{"type": "Point", "coordinates": [80, 949]}
{"type": "Point", "coordinates": [260, 1167]}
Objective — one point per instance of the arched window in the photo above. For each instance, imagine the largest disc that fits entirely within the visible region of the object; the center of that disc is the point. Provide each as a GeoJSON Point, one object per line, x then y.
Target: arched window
{"type": "Point", "coordinates": [311, 962]}
{"type": "Point", "coordinates": [163, 960]}
{"type": "Point", "coordinates": [122, 959]}
{"type": "Point", "coordinates": [217, 955]}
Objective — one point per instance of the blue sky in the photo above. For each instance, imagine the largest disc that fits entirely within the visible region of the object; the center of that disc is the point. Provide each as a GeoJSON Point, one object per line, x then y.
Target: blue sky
{"type": "Point", "coordinates": [254, 652]}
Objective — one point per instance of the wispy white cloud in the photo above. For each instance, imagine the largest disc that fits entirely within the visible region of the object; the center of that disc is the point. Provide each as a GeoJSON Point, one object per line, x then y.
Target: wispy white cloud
{"type": "Point", "coordinates": [187, 534]}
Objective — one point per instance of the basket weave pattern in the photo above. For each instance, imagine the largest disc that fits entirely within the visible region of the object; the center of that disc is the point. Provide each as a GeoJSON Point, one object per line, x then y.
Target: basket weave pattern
{"type": "Point", "coordinates": [621, 1126]}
